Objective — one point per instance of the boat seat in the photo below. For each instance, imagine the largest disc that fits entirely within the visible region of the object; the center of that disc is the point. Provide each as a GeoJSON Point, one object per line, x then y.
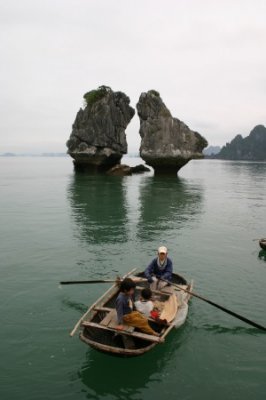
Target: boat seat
{"type": "Point", "coordinates": [110, 320]}
{"type": "Point", "coordinates": [109, 316]}
{"type": "Point", "coordinates": [139, 335]}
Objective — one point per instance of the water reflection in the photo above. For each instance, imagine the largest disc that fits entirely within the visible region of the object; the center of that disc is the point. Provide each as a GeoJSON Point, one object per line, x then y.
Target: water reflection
{"type": "Point", "coordinates": [125, 378]}
{"type": "Point", "coordinates": [218, 329]}
{"type": "Point", "coordinates": [262, 255]}
{"type": "Point", "coordinates": [74, 305]}
{"type": "Point", "coordinates": [167, 204]}
{"type": "Point", "coordinates": [98, 208]}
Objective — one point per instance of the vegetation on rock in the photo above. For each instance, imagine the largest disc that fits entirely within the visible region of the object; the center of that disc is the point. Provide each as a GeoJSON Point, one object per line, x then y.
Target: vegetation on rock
{"type": "Point", "coordinates": [154, 92]}
{"type": "Point", "coordinates": [95, 95]}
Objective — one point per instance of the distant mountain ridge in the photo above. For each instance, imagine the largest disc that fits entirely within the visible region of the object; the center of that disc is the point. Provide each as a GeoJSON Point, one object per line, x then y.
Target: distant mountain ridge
{"type": "Point", "coordinates": [211, 150]}
{"type": "Point", "coordinates": [33, 154]}
{"type": "Point", "coordinates": [250, 148]}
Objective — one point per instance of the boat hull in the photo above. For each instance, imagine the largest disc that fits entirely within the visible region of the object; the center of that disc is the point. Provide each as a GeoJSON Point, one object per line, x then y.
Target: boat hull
{"type": "Point", "coordinates": [262, 243]}
{"type": "Point", "coordinates": [115, 342]}
{"type": "Point", "coordinates": [116, 351]}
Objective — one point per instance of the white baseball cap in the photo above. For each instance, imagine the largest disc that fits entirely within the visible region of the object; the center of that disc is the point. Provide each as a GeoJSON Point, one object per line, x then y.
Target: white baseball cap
{"type": "Point", "coordinates": [162, 249]}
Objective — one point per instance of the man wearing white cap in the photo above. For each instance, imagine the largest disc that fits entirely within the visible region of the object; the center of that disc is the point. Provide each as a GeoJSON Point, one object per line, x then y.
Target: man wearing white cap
{"type": "Point", "coordinates": [161, 267]}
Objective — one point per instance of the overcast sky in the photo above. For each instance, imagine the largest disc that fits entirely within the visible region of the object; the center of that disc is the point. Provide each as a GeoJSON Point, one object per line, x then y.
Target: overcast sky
{"type": "Point", "coordinates": [206, 58]}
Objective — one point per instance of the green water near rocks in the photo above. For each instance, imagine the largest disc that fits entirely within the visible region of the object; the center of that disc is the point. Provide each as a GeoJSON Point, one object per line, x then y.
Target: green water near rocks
{"type": "Point", "coordinates": [56, 225]}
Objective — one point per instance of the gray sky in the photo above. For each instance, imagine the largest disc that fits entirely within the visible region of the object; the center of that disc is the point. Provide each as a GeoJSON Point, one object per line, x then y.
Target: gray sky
{"type": "Point", "coordinates": [206, 58]}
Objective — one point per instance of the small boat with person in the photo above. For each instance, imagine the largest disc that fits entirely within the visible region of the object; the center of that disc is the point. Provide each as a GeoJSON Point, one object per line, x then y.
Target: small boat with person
{"type": "Point", "coordinates": [98, 326]}
{"type": "Point", "coordinates": [262, 243]}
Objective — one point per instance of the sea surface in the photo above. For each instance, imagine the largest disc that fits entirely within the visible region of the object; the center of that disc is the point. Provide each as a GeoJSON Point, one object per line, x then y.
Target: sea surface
{"type": "Point", "coordinates": [57, 225]}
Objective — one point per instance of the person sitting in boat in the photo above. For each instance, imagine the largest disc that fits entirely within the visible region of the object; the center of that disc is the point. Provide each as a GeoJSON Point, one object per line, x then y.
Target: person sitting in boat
{"type": "Point", "coordinates": [125, 309]}
{"type": "Point", "coordinates": [161, 267]}
{"type": "Point", "coordinates": [145, 305]}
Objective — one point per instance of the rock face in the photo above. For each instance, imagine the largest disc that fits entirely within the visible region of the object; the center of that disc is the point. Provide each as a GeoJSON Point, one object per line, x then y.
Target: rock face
{"type": "Point", "coordinates": [167, 144]}
{"type": "Point", "coordinates": [139, 169]}
{"type": "Point", "coordinates": [250, 148]}
{"type": "Point", "coordinates": [122, 170]}
{"type": "Point", "coordinates": [98, 139]}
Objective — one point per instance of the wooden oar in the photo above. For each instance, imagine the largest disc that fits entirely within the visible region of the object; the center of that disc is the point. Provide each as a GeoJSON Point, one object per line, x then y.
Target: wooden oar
{"type": "Point", "coordinates": [93, 281]}
{"type": "Point", "coordinates": [117, 280]}
{"type": "Point", "coordinates": [244, 319]}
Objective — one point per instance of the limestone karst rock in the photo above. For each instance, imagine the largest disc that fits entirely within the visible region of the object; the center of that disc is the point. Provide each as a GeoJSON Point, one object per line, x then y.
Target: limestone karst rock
{"type": "Point", "coordinates": [250, 148]}
{"type": "Point", "coordinates": [167, 144]}
{"type": "Point", "coordinates": [98, 139]}
{"type": "Point", "coordinates": [123, 169]}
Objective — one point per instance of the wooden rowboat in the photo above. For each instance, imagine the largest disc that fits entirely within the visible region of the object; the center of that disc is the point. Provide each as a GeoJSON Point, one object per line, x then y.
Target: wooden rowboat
{"type": "Point", "coordinates": [262, 243]}
{"type": "Point", "coordinates": [98, 325]}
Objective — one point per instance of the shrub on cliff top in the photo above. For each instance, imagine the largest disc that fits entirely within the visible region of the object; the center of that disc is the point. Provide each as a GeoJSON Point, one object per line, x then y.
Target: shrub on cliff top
{"type": "Point", "coordinates": [155, 93]}
{"type": "Point", "coordinates": [96, 95]}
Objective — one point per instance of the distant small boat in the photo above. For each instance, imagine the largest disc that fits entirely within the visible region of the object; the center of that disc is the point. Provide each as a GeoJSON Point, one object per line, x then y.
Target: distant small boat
{"type": "Point", "coordinates": [262, 243]}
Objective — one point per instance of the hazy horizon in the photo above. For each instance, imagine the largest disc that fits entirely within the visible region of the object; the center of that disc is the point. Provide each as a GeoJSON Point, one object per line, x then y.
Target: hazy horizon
{"type": "Point", "coordinates": [207, 59]}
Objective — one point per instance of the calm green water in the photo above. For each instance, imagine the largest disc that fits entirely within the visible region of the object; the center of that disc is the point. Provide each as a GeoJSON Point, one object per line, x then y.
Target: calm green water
{"type": "Point", "coordinates": [56, 225]}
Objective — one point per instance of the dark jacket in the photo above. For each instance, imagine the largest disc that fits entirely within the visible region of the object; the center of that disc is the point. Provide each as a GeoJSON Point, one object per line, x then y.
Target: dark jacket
{"type": "Point", "coordinates": [122, 305]}
{"type": "Point", "coordinates": [154, 270]}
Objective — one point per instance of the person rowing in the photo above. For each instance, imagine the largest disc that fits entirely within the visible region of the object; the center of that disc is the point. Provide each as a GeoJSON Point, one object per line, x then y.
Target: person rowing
{"type": "Point", "coordinates": [160, 267]}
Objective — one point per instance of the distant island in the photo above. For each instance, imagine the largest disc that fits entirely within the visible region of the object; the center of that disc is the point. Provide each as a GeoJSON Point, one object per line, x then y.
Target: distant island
{"type": "Point", "coordinates": [211, 150]}
{"type": "Point", "coordinates": [33, 155]}
{"type": "Point", "coordinates": [250, 148]}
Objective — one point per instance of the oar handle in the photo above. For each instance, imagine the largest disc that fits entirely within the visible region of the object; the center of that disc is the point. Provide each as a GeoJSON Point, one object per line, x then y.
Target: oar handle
{"type": "Point", "coordinates": [118, 280]}
{"type": "Point", "coordinates": [93, 281]}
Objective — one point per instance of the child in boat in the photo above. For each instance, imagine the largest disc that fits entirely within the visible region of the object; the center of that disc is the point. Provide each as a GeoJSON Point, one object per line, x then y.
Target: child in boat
{"type": "Point", "coordinates": [125, 309]}
{"type": "Point", "coordinates": [145, 305]}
